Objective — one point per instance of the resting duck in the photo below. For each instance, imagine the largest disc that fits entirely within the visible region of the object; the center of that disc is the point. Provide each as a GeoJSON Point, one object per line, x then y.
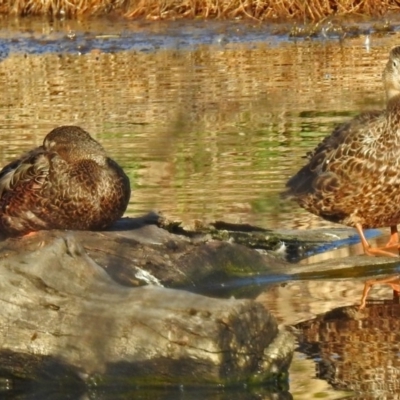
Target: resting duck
{"type": "Point", "coordinates": [353, 176]}
{"type": "Point", "coordinates": [68, 183]}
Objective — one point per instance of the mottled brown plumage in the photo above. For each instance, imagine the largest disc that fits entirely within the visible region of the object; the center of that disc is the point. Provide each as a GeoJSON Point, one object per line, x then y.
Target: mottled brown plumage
{"type": "Point", "coordinates": [353, 176]}
{"type": "Point", "coordinates": [68, 183]}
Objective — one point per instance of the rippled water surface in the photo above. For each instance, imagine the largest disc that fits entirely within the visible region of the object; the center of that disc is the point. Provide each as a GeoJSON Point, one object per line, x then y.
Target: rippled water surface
{"type": "Point", "coordinates": [209, 119]}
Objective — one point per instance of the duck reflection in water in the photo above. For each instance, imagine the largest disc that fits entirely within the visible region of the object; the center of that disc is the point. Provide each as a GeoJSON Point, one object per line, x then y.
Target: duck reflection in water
{"type": "Point", "coordinates": [353, 176]}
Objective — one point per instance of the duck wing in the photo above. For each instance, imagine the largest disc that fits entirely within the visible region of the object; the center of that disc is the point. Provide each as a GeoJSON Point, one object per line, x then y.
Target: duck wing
{"type": "Point", "coordinates": [23, 193]}
{"type": "Point", "coordinates": [343, 142]}
{"type": "Point", "coordinates": [344, 132]}
{"type": "Point", "coordinates": [27, 173]}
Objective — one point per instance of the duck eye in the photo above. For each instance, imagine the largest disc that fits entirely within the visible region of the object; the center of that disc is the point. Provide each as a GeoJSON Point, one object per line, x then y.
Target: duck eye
{"type": "Point", "coordinates": [394, 64]}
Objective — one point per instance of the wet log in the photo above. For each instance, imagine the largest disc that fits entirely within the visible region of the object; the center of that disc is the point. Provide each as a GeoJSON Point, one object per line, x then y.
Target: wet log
{"type": "Point", "coordinates": [140, 251]}
{"type": "Point", "coordinates": [61, 311]}
{"type": "Point", "coordinates": [93, 307]}
{"type": "Point", "coordinates": [288, 244]}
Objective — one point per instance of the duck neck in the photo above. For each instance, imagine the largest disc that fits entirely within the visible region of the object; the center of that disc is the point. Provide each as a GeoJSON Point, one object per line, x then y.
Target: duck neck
{"type": "Point", "coordinates": [393, 118]}
{"type": "Point", "coordinates": [393, 104]}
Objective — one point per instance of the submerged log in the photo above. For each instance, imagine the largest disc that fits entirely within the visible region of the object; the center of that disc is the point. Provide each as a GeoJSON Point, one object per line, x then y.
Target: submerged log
{"type": "Point", "coordinates": [59, 307]}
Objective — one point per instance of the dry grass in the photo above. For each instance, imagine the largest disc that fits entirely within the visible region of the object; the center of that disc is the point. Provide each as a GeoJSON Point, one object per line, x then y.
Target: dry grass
{"type": "Point", "coordinates": [310, 10]}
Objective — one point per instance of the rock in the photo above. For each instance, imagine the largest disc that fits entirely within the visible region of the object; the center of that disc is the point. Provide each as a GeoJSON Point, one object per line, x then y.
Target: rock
{"type": "Point", "coordinates": [94, 307]}
{"type": "Point", "coordinates": [139, 252]}
{"type": "Point", "coordinates": [59, 307]}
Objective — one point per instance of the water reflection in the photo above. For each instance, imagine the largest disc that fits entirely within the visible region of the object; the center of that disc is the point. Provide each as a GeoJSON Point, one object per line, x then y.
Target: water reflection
{"type": "Point", "coordinates": [351, 350]}
{"type": "Point", "coordinates": [356, 352]}
{"type": "Point", "coordinates": [205, 132]}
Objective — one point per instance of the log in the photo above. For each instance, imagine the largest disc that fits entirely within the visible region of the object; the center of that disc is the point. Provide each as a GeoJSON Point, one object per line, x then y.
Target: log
{"type": "Point", "coordinates": [137, 251]}
{"type": "Point", "coordinates": [58, 307]}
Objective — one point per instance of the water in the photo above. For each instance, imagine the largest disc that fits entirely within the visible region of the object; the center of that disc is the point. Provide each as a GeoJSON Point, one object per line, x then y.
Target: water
{"type": "Point", "coordinates": [208, 119]}
{"type": "Point", "coordinates": [208, 129]}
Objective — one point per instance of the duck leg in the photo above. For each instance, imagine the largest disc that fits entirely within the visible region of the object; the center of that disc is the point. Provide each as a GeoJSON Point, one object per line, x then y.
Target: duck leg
{"type": "Point", "coordinates": [394, 238]}
{"type": "Point", "coordinates": [379, 251]}
{"type": "Point", "coordinates": [392, 281]}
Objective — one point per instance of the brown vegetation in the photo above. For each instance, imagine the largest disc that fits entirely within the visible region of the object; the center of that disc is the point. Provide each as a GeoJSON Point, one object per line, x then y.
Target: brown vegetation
{"type": "Point", "coordinates": [309, 10]}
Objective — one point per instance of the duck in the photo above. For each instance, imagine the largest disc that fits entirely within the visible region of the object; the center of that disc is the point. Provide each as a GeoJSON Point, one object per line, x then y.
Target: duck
{"type": "Point", "coordinates": [353, 176]}
{"type": "Point", "coordinates": [68, 183]}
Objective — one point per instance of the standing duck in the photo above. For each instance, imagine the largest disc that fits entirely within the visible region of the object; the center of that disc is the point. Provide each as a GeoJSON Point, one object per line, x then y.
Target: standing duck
{"type": "Point", "coordinates": [67, 183]}
{"type": "Point", "coordinates": [353, 176]}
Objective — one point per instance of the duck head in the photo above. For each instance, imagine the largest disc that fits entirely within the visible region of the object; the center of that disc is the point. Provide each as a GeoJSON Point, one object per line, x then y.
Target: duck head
{"type": "Point", "coordinates": [74, 144]}
{"type": "Point", "coordinates": [391, 74]}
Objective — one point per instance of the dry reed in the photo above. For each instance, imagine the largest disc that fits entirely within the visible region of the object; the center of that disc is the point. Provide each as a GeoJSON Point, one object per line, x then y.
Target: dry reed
{"type": "Point", "coordinates": [306, 10]}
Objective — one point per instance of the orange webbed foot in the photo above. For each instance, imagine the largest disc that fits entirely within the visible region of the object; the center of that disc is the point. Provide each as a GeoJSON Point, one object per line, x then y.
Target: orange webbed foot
{"type": "Point", "coordinates": [392, 281]}
{"type": "Point", "coordinates": [380, 251]}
